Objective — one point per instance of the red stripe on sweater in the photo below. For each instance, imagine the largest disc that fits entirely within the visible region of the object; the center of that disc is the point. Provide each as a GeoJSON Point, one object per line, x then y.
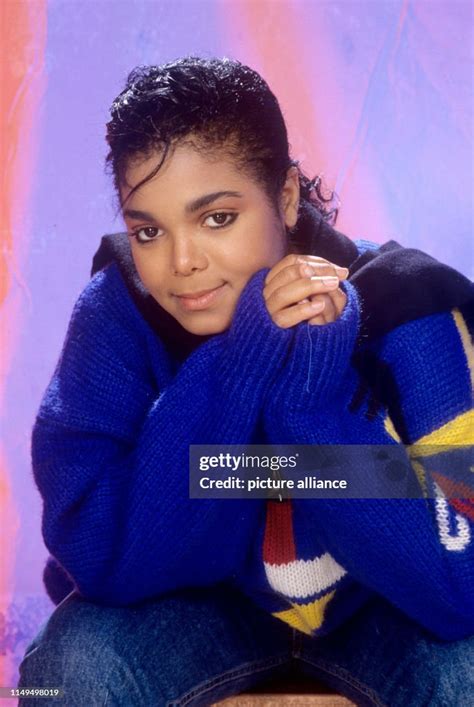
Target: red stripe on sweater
{"type": "Point", "coordinates": [279, 543]}
{"type": "Point", "coordinates": [464, 507]}
{"type": "Point", "coordinates": [454, 488]}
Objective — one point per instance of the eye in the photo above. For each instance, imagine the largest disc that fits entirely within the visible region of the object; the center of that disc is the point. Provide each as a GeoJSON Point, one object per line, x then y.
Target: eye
{"type": "Point", "coordinates": [219, 216]}
{"type": "Point", "coordinates": [149, 234]}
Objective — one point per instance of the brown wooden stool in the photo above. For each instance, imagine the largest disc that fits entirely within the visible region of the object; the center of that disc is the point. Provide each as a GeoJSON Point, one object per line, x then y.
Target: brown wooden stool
{"type": "Point", "coordinates": [287, 691]}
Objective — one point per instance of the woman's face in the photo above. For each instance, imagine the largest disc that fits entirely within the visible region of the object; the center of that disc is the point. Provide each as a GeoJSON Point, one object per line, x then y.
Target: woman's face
{"type": "Point", "coordinates": [194, 246]}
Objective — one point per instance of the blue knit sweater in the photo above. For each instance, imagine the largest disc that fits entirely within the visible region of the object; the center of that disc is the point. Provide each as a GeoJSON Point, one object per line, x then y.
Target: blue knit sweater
{"type": "Point", "coordinates": [110, 452]}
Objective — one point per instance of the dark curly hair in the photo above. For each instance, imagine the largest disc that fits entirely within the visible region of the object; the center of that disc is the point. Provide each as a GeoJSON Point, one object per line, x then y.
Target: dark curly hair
{"type": "Point", "coordinates": [224, 105]}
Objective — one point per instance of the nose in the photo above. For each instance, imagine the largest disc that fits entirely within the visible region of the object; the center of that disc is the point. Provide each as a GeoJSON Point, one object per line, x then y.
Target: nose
{"type": "Point", "coordinates": [186, 256]}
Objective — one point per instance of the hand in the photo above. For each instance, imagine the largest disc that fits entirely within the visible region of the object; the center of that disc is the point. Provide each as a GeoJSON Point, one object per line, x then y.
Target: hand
{"type": "Point", "coordinates": [297, 290]}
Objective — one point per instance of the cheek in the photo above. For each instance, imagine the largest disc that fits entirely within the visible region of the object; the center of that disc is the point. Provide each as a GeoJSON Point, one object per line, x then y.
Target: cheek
{"type": "Point", "coordinates": [262, 248]}
{"type": "Point", "coordinates": [150, 272]}
{"type": "Point", "coordinates": [268, 252]}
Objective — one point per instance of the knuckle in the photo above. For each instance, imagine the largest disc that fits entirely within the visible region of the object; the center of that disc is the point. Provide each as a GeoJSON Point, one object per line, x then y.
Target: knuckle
{"type": "Point", "coordinates": [290, 259]}
{"type": "Point", "coordinates": [269, 309]}
{"type": "Point", "coordinates": [318, 266]}
{"type": "Point", "coordinates": [296, 269]}
{"type": "Point", "coordinates": [279, 320]}
{"type": "Point", "coordinates": [276, 298]}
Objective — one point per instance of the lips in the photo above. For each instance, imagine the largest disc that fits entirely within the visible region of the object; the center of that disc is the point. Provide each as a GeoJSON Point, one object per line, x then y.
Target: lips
{"type": "Point", "coordinates": [192, 301]}
{"type": "Point", "coordinates": [195, 295]}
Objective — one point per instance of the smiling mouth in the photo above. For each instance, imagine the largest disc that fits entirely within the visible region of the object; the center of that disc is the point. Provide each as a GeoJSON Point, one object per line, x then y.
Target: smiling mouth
{"type": "Point", "coordinates": [199, 300]}
{"type": "Point", "coordinates": [195, 295]}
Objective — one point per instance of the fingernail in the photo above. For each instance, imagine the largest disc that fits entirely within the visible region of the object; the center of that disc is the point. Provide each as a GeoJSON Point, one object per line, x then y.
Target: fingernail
{"type": "Point", "coordinates": [307, 270]}
{"type": "Point", "coordinates": [330, 281]}
{"type": "Point", "coordinates": [338, 267]}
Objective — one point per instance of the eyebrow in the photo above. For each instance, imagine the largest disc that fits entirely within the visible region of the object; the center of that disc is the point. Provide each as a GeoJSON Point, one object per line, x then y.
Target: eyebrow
{"type": "Point", "coordinates": [190, 208]}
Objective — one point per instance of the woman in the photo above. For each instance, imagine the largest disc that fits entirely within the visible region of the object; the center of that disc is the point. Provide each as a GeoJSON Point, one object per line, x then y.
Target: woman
{"type": "Point", "coordinates": [232, 312]}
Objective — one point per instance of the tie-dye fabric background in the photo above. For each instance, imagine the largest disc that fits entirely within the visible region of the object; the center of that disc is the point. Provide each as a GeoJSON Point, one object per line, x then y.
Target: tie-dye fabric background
{"type": "Point", "coordinates": [377, 97]}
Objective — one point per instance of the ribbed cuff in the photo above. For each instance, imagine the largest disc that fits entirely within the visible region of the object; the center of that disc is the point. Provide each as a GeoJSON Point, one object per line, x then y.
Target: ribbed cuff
{"type": "Point", "coordinates": [318, 361]}
{"type": "Point", "coordinates": [256, 347]}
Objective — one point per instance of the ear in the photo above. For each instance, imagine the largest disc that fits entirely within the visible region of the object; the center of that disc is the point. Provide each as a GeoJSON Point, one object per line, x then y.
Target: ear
{"type": "Point", "coordinates": [290, 197]}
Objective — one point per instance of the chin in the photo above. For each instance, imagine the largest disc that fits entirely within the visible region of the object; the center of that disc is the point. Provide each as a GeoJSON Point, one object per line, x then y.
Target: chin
{"type": "Point", "coordinates": [201, 327]}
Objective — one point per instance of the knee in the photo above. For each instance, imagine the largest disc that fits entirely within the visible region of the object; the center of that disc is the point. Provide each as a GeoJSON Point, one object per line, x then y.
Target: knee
{"type": "Point", "coordinates": [451, 672]}
{"type": "Point", "coordinates": [70, 653]}
{"type": "Point", "coordinates": [456, 673]}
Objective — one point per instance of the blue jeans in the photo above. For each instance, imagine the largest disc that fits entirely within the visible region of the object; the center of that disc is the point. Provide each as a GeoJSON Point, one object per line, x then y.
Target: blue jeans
{"type": "Point", "coordinates": [196, 646]}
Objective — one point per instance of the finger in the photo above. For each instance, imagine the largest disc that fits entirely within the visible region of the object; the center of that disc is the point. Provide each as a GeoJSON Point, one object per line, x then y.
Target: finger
{"type": "Point", "coordinates": [297, 290]}
{"type": "Point", "coordinates": [312, 260]}
{"type": "Point", "coordinates": [325, 267]}
{"type": "Point", "coordinates": [296, 271]}
{"type": "Point", "coordinates": [339, 299]}
{"type": "Point", "coordinates": [331, 305]}
{"type": "Point", "coordinates": [307, 268]}
{"type": "Point", "coordinates": [287, 261]}
{"type": "Point", "coordinates": [318, 321]}
{"type": "Point", "coordinates": [329, 313]}
{"type": "Point", "coordinates": [332, 309]}
{"type": "Point", "coordinates": [300, 312]}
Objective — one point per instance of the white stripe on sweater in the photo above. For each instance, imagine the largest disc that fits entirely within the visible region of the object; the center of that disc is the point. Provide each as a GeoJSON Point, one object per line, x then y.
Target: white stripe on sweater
{"type": "Point", "coordinates": [302, 578]}
{"type": "Point", "coordinates": [454, 541]}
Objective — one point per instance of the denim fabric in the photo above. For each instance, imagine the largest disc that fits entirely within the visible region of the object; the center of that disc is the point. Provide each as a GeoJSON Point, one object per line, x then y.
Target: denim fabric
{"type": "Point", "coordinates": [197, 646]}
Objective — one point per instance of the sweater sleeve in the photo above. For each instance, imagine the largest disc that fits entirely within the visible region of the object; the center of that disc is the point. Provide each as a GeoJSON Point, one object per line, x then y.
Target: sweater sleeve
{"type": "Point", "coordinates": [417, 552]}
{"type": "Point", "coordinates": [110, 445]}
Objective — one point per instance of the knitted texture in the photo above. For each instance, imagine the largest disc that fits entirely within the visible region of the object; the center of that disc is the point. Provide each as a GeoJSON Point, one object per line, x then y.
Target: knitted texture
{"type": "Point", "coordinates": [110, 452]}
{"type": "Point", "coordinates": [417, 552]}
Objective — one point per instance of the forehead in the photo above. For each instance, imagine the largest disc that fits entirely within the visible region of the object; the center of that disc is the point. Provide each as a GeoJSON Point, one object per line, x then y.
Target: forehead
{"type": "Point", "coordinates": [184, 167]}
